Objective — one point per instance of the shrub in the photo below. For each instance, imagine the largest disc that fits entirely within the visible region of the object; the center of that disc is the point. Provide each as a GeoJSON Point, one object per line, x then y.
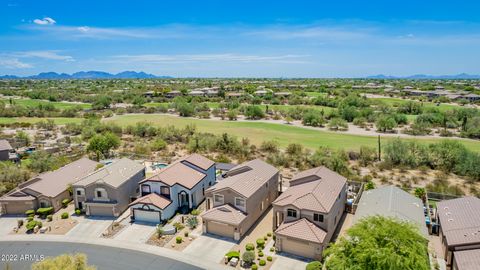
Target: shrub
{"type": "Point", "coordinates": [262, 262]}
{"type": "Point", "coordinates": [315, 265]}
{"type": "Point", "coordinates": [49, 217]}
{"type": "Point", "coordinates": [45, 211]}
{"type": "Point", "coordinates": [192, 222]}
{"type": "Point", "coordinates": [195, 212]}
{"type": "Point", "coordinates": [29, 218]}
{"type": "Point", "coordinates": [19, 223]}
{"type": "Point", "coordinates": [30, 212]}
{"type": "Point", "coordinates": [179, 226]}
{"type": "Point", "coordinates": [249, 247]}
{"type": "Point", "coordinates": [31, 225]}
{"type": "Point", "coordinates": [260, 254]}
{"type": "Point", "coordinates": [269, 234]}
{"type": "Point", "coordinates": [185, 234]}
{"type": "Point", "coordinates": [232, 254]}
{"type": "Point", "coordinates": [64, 215]}
{"type": "Point", "coordinates": [269, 258]}
{"type": "Point", "coordinates": [65, 202]}
{"type": "Point", "coordinates": [254, 267]}
{"type": "Point", "coordinates": [39, 224]}
{"type": "Point", "coordinates": [248, 257]}
{"type": "Point", "coordinates": [265, 238]}
{"type": "Point", "coordinates": [179, 239]}
{"type": "Point", "coordinates": [260, 243]}
{"type": "Point", "coordinates": [272, 249]}
{"type": "Point", "coordinates": [78, 212]}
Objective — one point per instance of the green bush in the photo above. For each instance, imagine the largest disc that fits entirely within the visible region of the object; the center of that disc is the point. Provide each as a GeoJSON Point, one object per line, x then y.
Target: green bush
{"type": "Point", "coordinates": [272, 249]}
{"type": "Point", "coordinates": [45, 211]}
{"type": "Point", "coordinates": [179, 226]}
{"type": "Point", "coordinates": [64, 215]}
{"type": "Point", "coordinates": [248, 257]}
{"type": "Point", "coordinates": [254, 267]}
{"type": "Point", "coordinates": [31, 225]}
{"type": "Point", "coordinates": [260, 254]}
{"type": "Point", "coordinates": [179, 239]}
{"type": "Point", "coordinates": [315, 265]}
{"type": "Point", "coordinates": [39, 224]}
{"type": "Point", "coordinates": [78, 212]}
{"type": "Point", "coordinates": [233, 254]}
{"type": "Point", "coordinates": [249, 247]}
{"type": "Point", "coordinates": [269, 234]}
{"type": "Point", "coordinates": [262, 262]}
{"type": "Point", "coordinates": [260, 243]}
{"type": "Point", "coordinates": [269, 258]}
{"type": "Point", "coordinates": [65, 202]}
{"type": "Point", "coordinates": [195, 212]}
{"type": "Point", "coordinates": [29, 218]}
{"type": "Point", "coordinates": [30, 212]}
{"type": "Point", "coordinates": [49, 217]}
{"type": "Point", "coordinates": [185, 234]}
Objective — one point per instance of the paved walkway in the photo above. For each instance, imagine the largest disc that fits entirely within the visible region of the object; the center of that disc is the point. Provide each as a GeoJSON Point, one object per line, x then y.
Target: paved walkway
{"type": "Point", "coordinates": [258, 230]}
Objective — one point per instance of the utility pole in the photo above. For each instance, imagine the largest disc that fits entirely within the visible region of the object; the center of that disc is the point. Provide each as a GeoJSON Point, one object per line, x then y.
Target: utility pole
{"type": "Point", "coordinates": [379, 149]}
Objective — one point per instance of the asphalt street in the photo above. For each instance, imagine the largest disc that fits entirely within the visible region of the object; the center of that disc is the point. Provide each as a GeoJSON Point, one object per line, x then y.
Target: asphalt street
{"type": "Point", "coordinates": [20, 255]}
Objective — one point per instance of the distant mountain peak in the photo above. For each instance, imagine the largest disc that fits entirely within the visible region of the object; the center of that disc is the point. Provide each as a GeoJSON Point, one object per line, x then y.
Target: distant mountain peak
{"type": "Point", "coordinates": [88, 75]}
{"type": "Point", "coordinates": [427, 77]}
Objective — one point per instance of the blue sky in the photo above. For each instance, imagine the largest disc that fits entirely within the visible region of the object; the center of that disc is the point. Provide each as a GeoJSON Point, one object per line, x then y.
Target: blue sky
{"type": "Point", "coordinates": [241, 38]}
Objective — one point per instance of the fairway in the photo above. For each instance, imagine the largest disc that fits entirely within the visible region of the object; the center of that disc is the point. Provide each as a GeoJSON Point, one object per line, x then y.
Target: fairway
{"type": "Point", "coordinates": [397, 101]}
{"type": "Point", "coordinates": [36, 102]}
{"type": "Point", "coordinates": [33, 120]}
{"type": "Point", "coordinates": [258, 132]}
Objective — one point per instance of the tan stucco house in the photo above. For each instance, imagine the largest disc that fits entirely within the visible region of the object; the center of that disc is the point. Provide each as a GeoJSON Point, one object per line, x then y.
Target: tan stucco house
{"type": "Point", "coordinates": [306, 215]}
{"type": "Point", "coordinates": [109, 190]}
{"type": "Point", "coordinates": [47, 189]}
{"type": "Point", "coordinates": [236, 202]}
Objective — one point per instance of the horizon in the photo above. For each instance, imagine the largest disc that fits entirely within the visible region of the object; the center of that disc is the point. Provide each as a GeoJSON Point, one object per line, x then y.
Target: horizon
{"type": "Point", "coordinates": [255, 40]}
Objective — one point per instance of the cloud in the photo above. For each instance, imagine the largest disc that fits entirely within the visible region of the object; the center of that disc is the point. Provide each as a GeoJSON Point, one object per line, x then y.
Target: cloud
{"type": "Point", "coordinates": [45, 21]}
{"type": "Point", "coordinates": [310, 32]}
{"type": "Point", "coordinates": [226, 57]}
{"type": "Point", "coordinates": [13, 63]}
{"type": "Point", "coordinates": [50, 55]}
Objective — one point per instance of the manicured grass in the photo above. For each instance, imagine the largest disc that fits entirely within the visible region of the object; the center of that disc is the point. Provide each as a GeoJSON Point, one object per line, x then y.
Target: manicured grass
{"type": "Point", "coordinates": [426, 104]}
{"type": "Point", "coordinates": [36, 102]}
{"type": "Point", "coordinates": [258, 132]}
{"type": "Point", "coordinates": [33, 120]}
{"type": "Point", "coordinates": [315, 94]}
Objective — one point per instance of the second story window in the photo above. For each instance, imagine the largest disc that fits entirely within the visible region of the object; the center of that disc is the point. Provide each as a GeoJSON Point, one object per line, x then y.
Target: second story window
{"type": "Point", "coordinates": [291, 213]}
{"type": "Point", "coordinates": [165, 191]}
{"type": "Point", "coordinates": [101, 194]}
{"type": "Point", "coordinates": [80, 192]}
{"type": "Point", "coordinates": [217, 199]}
{"type": "Point", "coordinates": [318, 217]}
{"type": "Point", "coordinates": [240, 203]}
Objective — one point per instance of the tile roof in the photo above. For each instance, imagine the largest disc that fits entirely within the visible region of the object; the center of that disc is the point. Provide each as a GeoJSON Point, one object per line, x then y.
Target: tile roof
{"type": "Point", "coordinates": [302, 229]}
{"type": "Point", "coordinates": [247, 177]}
{"type": "Point", "coordinates": [318, 173]}
{"type": "Point", "coordinates": [5, 145]}
{"type": "Point", "coordinates": [114, 174]}
{"type": "Point", "coordinates": [391, 201]}
{"type": "Point", "coordinates": [318, 195]}
{"type": "Point", "coordinates": [178, 173]}
{"type": "Point", "coordinates": [225, 214]}
{"type": "Point", "coordinates": [460, 220]}
{"type": "Point", "coordinates": [51, 184]}
{"type": "Point", "coordinates": [199, 161]}
{"type": "Point", "coordinates": [467, 259]}
{"type": "Point", "coordinates": [153, 199]}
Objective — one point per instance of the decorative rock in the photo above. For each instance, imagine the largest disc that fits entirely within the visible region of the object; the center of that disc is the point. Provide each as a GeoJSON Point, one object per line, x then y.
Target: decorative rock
{"type": "Point", "coordinates": [173, 245]}
{"type": "Point", "coordinates": [190, 238]}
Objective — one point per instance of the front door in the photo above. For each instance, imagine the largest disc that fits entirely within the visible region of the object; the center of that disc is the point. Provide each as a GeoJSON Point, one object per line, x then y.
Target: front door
{"type": "Point", "coordinates": [80, 205]}
{"type": "Point", "coordinates": [183, 199]}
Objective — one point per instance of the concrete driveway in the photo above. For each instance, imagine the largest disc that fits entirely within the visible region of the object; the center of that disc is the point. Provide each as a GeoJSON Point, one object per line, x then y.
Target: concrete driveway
{"type": "Point", "coordinates": [7, 224]}
{"type": "Point", "coordinates": [288, 263]}
{"type": "Point", "coordinates": [90, 227]}
{"type": "Point", "coordinates": [209, 248]}
{"type": "Point", "coordinates": [138, 233]}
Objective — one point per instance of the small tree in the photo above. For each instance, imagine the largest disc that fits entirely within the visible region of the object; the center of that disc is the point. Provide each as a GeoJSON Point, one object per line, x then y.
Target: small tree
{"type": "Point", "coordinates": [248, 257]}
{"type": "Point", "coordinates": [159, 231]}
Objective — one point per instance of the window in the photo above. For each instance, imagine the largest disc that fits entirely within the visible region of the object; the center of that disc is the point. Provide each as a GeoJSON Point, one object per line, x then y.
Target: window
{"type": "Point", "coordinates": [145, 189]}
{"type": "Point", "coordinates": [79, 192]}
{"type": "Point", "coordinates": [218, 199]}
{"type": "Point", "coordinates": [291, 213]}
{"type": "Point", "coordinates": [101, 194]}
{"type": "Point", "coordinates": [318, 217]}
{"type": "Point", "coordinates": [240, 203]}
{"type": "Point", "coordinates": [165, 191]}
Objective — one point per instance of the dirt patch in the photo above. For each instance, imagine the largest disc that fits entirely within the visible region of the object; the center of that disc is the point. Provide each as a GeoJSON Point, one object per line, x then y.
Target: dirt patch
{"type": "Point", "coordinates": [159, 241]}
{"type": "Point", "coordinates": [56, 226]}
{"type": "Point", "coordinates": [186, 240]}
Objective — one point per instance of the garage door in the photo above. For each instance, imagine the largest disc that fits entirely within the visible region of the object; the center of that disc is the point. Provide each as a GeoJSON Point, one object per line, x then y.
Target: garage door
{"type": "Point", "coordinates": [146, 216]}
{"type": "Point", "coordinates": [221, 229]}
{"type": "Point", "coordinates": [17, 208]}
{"type": "Point", "coordinates": [101, 211]}
{"type": "Point", "coordinates": [298, 248]}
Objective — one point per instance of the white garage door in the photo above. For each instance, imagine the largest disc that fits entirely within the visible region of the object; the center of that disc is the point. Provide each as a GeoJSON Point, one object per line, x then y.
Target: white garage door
{"type": "Point", "coordinates": [220, 229]}
{"type": "Point", "coordinates": [106, 211]}
{"type": "Point", "coordinates": [146, 216]}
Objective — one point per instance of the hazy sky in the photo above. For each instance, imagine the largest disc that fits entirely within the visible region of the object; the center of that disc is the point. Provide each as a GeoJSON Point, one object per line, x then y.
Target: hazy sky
{"type": "Point", "coordinates": [241, 38]}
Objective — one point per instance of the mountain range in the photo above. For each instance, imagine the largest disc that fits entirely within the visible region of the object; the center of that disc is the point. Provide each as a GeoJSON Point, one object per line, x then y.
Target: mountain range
{"type": "Point", "coordinates": [427, 77]}
{"type": "Point", "coordinates": [87, 75]}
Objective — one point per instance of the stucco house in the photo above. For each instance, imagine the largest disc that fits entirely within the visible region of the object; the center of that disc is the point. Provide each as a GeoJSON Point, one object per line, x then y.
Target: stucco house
{"type": "Point", "coordinates": [109, 190]}
{"type": "Point", "coordinates": [178, 187]}
{"type": "Point", "coordinates": [306, 215]}
{"type": "Point", "coordinates": [47, 189]}
{"type": "Point", "coordinates": [236, 202]}
{"type": "Point", "coordinates": [459, 221]}
{"type": "Point", "coordinates": [5, 150]}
